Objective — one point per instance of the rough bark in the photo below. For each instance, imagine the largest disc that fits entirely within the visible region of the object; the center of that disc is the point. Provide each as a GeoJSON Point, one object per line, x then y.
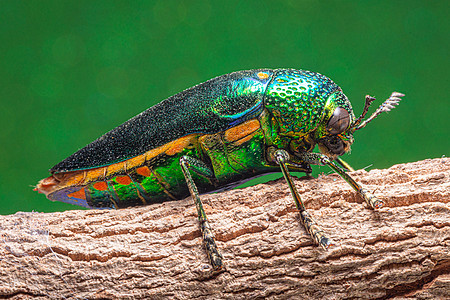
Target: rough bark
{"type": "Point", "coordinates": [400, 251]}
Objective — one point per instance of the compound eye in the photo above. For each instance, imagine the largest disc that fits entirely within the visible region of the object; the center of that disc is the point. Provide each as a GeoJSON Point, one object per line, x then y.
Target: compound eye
{"type": "Point", "coordinates": [339, 121]}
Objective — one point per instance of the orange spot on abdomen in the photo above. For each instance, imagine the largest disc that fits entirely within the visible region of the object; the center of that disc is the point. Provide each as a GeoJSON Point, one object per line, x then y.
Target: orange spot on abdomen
{"type": "Point", "coordinates": [125, 180]}
{"type": "Point", "coordinates": [144, 171]}
{"type": "Point", "coordinates": [80, 194]}
{"type": "Point", "coordinates": [100, 186]}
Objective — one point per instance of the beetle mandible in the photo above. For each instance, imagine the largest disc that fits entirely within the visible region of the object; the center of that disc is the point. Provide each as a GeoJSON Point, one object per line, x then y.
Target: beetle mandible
{"type": "Point", "coordinates": [214, 136]}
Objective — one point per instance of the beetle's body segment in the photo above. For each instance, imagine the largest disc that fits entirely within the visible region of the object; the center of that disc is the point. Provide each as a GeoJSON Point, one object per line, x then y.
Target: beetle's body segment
{"type": "Point", "coordinates": [214, 136]}
{"type": "Point", "coordinates": [235, 155]}
{"type": "Point", "coordinates": [305, 93]}
{"type": "Point", "coordinates": [227, 122]}
{"type": "Point", "coordinates": [210, 107]}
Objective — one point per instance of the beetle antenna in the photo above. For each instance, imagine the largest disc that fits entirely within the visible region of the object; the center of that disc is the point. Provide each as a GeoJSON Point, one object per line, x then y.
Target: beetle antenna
{"type": "Point", "coordinates": [369, 100]}
{"type": "Point", "coordinates": [386, 106]}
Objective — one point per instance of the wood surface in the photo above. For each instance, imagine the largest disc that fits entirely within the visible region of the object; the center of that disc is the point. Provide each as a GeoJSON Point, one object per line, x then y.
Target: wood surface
{"type": "Point", "coordinates": [155, 252]}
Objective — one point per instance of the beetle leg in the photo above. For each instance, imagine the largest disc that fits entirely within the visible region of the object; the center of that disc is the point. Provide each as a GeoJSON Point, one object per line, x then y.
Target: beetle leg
{"type": "Point", "coordinates": [213, 253]}
{"type": "Point", "coordinates": [321, 159]}
{"type": "Point", "coordinates": [345, 165]}
{"type": "Point", "coordinates": [281, 158]}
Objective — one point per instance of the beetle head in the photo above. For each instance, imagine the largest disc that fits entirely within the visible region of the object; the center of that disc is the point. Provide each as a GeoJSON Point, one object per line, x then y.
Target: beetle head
{"type": "Point", "coordinates": [311, 109]}
{"type": "Point", "coordinates": [333, 134]}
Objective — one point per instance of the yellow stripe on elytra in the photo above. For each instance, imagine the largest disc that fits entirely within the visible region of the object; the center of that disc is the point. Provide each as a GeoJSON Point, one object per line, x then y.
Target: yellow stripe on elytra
{"type": "Point", "coordinates": [86, 176]}
{"type": "Point", "coordinates": [241, 131]}
{"type": "Point", "coordinates": [238, 134]}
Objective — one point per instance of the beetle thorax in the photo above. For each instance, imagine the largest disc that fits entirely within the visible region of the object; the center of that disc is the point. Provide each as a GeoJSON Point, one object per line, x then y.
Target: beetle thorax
{"type": "Point", "coordinates": [297, 99]}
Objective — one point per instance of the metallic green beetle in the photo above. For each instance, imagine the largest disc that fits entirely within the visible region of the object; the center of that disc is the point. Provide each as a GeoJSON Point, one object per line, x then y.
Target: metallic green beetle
{"type": "Point", "coordinates": [214, 136]}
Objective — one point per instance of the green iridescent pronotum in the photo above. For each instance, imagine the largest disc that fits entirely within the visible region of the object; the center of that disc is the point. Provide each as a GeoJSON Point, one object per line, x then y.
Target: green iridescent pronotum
{"type": "Point", "coordinates": [214, 136]}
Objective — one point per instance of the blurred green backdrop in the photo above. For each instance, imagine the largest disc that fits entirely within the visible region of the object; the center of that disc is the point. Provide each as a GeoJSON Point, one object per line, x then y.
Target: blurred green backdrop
{"type": "Point", "coordinates": [72, 70]}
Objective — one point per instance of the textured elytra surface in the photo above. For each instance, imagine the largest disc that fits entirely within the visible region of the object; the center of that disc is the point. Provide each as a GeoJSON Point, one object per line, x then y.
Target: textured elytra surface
{"type": "Point", "coordinates": [210, 107]}
{"type": "Point", "coordinates": [401, 251]}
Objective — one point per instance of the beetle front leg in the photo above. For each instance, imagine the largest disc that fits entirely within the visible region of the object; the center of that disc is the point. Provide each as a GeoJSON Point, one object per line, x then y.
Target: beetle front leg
{"type": "Point", "coordinates": [281, 157]}
{"type": "Point", "coordinates": [321, 159]}
{"type": "Point", "coordinates": [199, 167]}
{"type": "Point", "coordinates": [345, 165]}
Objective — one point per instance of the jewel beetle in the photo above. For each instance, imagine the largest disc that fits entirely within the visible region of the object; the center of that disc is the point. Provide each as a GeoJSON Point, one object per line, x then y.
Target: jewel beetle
{"type": "Point", "coordinates": [214, 136]}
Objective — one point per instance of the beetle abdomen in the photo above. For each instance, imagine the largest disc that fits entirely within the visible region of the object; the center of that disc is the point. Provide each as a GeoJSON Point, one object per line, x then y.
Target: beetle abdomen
{"type": "Point", "coordinates": [152, 177]}
{"type": "Point", "coordinates": [117, 192]}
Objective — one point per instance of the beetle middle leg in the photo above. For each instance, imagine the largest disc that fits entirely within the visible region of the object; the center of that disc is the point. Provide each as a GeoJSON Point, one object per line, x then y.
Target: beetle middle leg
{"type": "Point", "coordinates": [321, 159]}
{"type": "Point", "coordinates": [199, 167]}
{"type": "Point", "coordinates": [281, 158]}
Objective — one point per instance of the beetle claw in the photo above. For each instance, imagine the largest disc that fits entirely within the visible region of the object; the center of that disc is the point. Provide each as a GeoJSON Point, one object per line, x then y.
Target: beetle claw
{"type": "Point", "coordinates": [370, 199]}
{"type": "Point", "coordinates": [326, 242]}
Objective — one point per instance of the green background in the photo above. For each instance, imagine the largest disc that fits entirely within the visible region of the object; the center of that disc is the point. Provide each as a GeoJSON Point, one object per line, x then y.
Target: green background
{"type": "Point", "coordinates": [72, 70]}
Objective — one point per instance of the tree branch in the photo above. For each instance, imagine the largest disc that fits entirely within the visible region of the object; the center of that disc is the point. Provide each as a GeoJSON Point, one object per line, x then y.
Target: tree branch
{"type": "Point", "coordinates": [156, 251]}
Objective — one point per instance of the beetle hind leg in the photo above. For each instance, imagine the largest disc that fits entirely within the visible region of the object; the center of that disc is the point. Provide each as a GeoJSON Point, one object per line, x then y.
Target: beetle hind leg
{"type": "Point", "coordinates": [281, 158]}
{"type": "Point", "coordinates": [199, 167]}
{"type": "Point", "coordinates": [315, 231]}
